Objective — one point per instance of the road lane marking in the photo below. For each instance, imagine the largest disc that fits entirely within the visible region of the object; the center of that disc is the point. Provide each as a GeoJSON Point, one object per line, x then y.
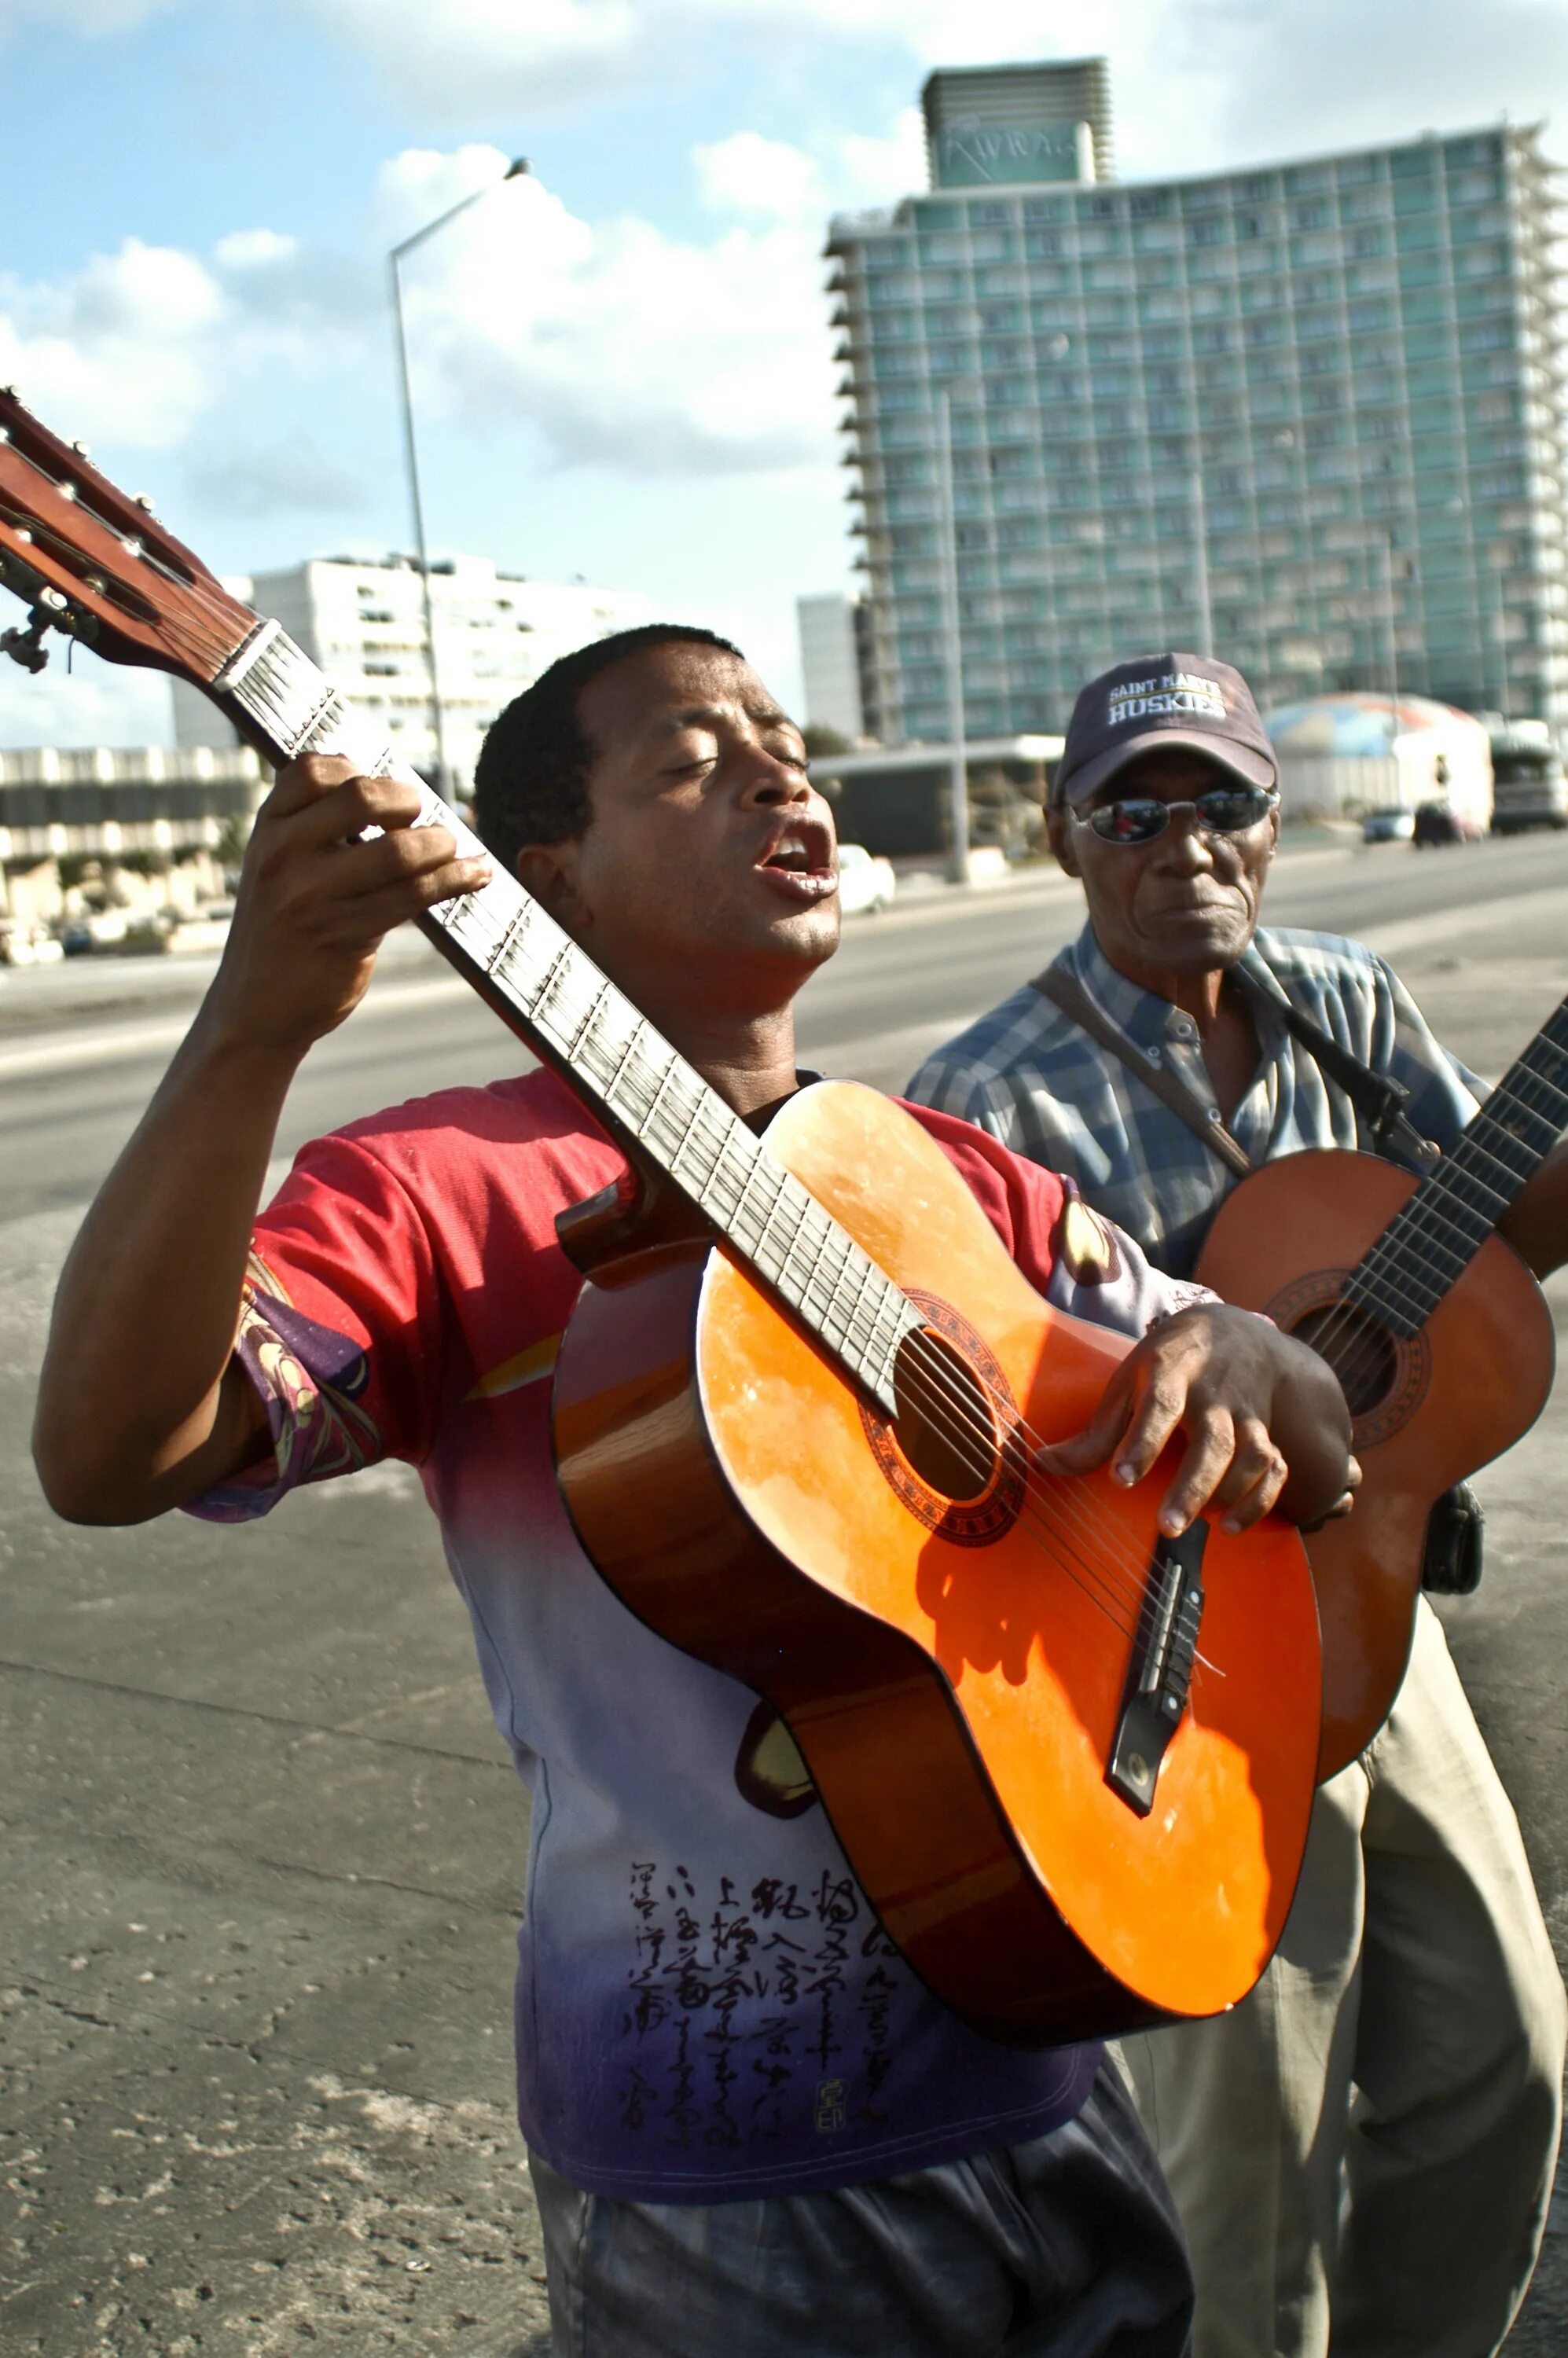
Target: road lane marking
{"type": "Point", "coordinates": [124, 1041]}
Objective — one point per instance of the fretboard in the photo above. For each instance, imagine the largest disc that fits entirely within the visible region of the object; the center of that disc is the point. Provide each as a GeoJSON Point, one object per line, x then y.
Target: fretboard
{"type": "Point", "coordinates": [551, 992]}
{"type": "Point", "coordinates": [1431, 1243]}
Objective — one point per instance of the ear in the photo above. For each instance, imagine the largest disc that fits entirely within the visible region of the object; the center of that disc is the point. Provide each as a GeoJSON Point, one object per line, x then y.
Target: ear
{"type": "Point", "coordinates": [1059, 828]}
{"type": "Point", "coordinates": [548, 871]}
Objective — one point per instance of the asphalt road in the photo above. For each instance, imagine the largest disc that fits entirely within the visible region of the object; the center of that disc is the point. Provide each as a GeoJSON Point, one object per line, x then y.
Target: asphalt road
{"type": "Point", "coordinates": [262, 1847]}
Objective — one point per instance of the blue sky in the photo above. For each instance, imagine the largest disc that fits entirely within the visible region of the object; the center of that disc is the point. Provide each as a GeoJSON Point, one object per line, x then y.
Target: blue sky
{"type": "Point", "coordinates": [623, 369]}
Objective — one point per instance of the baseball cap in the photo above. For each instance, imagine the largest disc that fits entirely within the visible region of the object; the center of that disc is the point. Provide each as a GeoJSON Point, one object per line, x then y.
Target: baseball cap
{"type": "Point", "coordinates": [1164, 702]}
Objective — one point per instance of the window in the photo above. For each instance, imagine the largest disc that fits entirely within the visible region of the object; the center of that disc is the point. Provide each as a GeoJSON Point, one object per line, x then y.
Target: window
{"type": "Point", "coordinates": [1207, 229]}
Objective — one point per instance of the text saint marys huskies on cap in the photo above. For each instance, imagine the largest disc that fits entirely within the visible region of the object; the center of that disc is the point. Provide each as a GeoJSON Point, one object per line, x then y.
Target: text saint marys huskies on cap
{"type": "Point", "coordinates": [1164, 702]}
{"type": "Point", "coordinates": [1166, 691]}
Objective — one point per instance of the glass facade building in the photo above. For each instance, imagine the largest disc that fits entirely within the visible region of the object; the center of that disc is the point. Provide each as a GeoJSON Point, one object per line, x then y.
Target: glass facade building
{"type": "Point", "coordinates": [1321, 400]}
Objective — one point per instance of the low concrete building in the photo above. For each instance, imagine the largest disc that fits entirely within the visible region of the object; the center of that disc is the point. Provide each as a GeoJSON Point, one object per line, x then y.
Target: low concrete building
{"type": "Point", "coordinates": [139, 828]}
{"type": "Point", "coordinates": [895, 800]}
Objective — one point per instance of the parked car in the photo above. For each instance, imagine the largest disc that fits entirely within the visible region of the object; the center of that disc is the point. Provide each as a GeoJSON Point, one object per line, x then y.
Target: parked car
{"type": "Point", "coordinates": [25, 945]}
{"type": "Point", "coordinates": [1441, 823]}
{"type": "Point", "coordinates": [1389, 826]}
{"type": "Point", "coordinates": [864, 882]}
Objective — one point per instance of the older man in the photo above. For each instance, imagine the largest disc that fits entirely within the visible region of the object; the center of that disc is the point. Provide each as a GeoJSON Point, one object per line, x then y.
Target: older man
{"type": "Point", "coordinates": [1362, 2153]}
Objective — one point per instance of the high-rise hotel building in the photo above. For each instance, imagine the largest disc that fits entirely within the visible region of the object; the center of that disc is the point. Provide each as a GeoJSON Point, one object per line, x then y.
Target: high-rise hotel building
{"type": "Point", "coordinates": [1315, 405]}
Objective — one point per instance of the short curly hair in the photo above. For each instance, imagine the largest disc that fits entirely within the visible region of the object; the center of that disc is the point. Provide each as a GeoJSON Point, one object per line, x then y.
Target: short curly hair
{"type": "Point", "coordinates": [530, 783]}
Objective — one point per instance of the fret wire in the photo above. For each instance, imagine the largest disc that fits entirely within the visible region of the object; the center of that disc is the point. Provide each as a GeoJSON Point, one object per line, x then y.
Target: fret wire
{"type": "Point", "coordinates": [837, 1280]}
{"type": "Point", "coordinates": [1522, 1113]}
{"type": "Point", "coordinates": [1477, 1152]}
{"type": "Point", "coordinates": [869, 1272]}
{"type": "Point", "coordinates": [595, 1009]}
{"type": "Point", "coordinates": [641, 1127]}
{"type": "Point", "coordinates": [693, 1132]}
{"type": "Point", "coordinates": [514, 932]}
{"type": "Point", "coordinates": [778, 1177]}
{"type": "Point", "coordinates": [801, 1204]}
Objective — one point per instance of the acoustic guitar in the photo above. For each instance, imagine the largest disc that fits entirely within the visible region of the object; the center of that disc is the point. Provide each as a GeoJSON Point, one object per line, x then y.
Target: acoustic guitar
{"type": "Point", "coordinates": [1437, 1331]}
{"type": "Point", "coordinates": [797, 1412]}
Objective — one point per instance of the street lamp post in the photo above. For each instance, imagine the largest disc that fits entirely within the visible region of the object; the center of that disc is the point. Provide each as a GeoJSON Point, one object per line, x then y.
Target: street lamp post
{"type": "Point", "coordinates": [514, 170]}
{"type": "Point", "coordinates": [958, 775]}
{"type": "Point", "coordinates": [1200, 550]}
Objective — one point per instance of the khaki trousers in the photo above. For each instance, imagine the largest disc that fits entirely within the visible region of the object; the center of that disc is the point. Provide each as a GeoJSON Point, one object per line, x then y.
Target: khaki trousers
{"type": "Point", "coordinates": [1362, 2152]}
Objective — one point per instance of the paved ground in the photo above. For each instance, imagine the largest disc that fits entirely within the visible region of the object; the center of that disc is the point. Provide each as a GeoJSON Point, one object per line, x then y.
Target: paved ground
{"type": "Point", "coordinates": [262, 1849]}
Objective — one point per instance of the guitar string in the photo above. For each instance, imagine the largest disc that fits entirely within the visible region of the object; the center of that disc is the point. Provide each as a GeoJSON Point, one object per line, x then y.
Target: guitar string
{"type": "Point", "coordinates": [952, 1411]}
{"type": "Point", "coordinates": [955, 1407]}
{"type": "Point", "coordinates": [220, 608]}
{"type": "Point", "coordinates": [1125, 1584]}
{"type": "Point", "coordinates": [1426, 1221]}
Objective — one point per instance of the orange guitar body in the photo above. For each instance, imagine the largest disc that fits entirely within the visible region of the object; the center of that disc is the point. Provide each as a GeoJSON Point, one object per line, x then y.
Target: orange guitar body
{"type": "Point", "coordinates": [1427, 1411]}
{"type": "Point", "coordinates": [954, 1685]}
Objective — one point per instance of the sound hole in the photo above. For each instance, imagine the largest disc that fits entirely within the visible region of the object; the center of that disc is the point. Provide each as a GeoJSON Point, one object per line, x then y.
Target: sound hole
{"type": "Point", "coordinates": [1362, 1353]}
{"type": "Point", "coordinates": [944, 1426]}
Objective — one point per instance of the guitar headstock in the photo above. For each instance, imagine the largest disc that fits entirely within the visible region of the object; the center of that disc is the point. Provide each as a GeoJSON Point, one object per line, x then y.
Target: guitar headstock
{"type": "Point", "coordinates": [98, 566]}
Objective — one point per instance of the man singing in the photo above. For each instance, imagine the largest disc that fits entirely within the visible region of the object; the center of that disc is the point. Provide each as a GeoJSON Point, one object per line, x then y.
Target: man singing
{"type": "Point", "coordinates": [752, 2130]}
{"type": "Point", "coordinates": [1362, 2152]}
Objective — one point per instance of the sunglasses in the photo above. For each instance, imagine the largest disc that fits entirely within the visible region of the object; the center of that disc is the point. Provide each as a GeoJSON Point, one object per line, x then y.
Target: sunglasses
{"type": "Point", "coordinates": [1220, 810]}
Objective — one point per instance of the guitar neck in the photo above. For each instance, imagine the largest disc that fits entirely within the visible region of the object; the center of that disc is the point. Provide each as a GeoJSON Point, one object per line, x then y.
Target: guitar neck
{"type": "Point", "coordinates": [1427, 1248]}
{"type": "Point", "coordinates": [550, 993]}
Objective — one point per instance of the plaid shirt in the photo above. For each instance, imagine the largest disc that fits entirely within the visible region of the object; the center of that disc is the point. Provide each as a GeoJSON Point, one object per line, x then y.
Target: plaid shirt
{"type": "Point", "coordinates": [1031, 1077]}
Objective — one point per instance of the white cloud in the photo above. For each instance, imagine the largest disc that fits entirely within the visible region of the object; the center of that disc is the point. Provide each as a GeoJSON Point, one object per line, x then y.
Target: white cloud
{"type": "Point", "coordinates": [622, 345]}
{"type": "Point", "coordinates": [120, 351]}
{"type": "Point", "coordinates": [749, 174]}
{"type": "Point", "coordinates": [876, 171]}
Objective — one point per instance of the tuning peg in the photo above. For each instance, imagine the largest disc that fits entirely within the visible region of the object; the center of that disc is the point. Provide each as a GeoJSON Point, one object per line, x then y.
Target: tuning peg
{"type": "Point", "coordinates": [26, 647]}
{"type": "Point", "coordinates": [141, 501]}
{"type": "Point", "coordinates": [81, 449]}
{"type": "Point", "coordinates": [65, 491]}
{"type": "Point", "coordinates": [132, 546]}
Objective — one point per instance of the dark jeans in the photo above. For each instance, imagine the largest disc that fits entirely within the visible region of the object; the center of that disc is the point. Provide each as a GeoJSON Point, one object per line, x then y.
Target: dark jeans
{"type": "Point", "coordinates": [1067, 2248]}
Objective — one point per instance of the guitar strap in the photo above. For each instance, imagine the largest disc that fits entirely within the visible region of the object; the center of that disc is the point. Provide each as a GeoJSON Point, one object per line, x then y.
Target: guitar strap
{"type": "Point", "coordinates": [1378, 1096]}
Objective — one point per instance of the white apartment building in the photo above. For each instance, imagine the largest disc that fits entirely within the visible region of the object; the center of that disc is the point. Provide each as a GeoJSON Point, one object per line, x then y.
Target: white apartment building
{"type": "Point", "coordinates": [364, 623]}
{"type": "Point", "coordinates": [830, 661]}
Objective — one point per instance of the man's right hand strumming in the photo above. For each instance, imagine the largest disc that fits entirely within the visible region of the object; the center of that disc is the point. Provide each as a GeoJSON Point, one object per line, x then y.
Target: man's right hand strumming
{"type": "Point", "coordinates": [140, 1405]}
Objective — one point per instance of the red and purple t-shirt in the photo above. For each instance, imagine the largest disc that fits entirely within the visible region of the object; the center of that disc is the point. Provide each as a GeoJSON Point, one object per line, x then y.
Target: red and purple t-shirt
{"type": "Point", "coordinates": [706, 2005]}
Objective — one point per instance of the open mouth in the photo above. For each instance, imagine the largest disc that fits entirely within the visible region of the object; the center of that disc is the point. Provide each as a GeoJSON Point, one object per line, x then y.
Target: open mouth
{"type": "Point", "coordinates": [799, 862]}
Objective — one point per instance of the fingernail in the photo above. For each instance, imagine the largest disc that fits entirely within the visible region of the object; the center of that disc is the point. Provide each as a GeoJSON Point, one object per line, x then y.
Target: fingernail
{"type": "Point", "coordinates": [1126, 1473]}
{"type": "Point", "coordinates": [1230, 1524]}
{"type": "Point", "coordinates": [1172, 1524]}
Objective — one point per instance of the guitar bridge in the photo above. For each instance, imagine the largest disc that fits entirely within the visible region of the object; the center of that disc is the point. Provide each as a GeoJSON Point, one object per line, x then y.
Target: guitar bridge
{"type": "Point", "coordinates": [1162, 1669]}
